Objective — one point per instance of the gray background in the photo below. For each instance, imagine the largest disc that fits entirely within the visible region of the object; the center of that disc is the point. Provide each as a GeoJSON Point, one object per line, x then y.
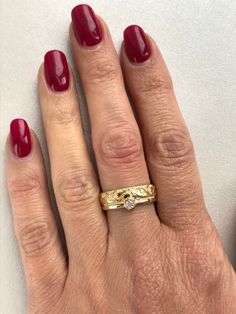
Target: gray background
{"type": "Point", "coordinates": [197, 39]}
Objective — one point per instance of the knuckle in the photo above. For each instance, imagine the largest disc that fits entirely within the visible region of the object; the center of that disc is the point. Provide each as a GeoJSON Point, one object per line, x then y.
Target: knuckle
{"type": "Point", "coordinates": [119, 146]}
{"type": "Point", "coordinates": [28, 182]}
{"type": "Point", "coordinates": [103, 71]}
{"type": "Point", "coordinates": [35, 238]}
{"type": "Point", "coordinates": [77, 189]}
{"type": "Point", "coordinates": [171, 147]}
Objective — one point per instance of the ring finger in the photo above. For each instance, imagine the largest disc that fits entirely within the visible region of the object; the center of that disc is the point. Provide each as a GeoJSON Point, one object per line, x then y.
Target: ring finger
{"type": "Point", "coordinates": [115, 134]}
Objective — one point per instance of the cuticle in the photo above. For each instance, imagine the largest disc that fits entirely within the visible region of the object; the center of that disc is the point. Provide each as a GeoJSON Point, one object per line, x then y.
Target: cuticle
{"type": "Point", "coordinates": [139, 64]}
{"type": "Point", "coordinates": [58, 93]}
{"type": "Point", "coordinates": [26, 157]}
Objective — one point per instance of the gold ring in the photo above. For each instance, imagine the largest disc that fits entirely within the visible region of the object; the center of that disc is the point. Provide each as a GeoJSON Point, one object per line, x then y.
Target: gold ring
{"type": "Point", "coordinates": [128, 197]}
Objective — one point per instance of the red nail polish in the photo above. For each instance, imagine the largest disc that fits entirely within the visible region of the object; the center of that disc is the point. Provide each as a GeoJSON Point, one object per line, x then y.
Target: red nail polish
{"type": "Point", "coordinates": [56, 70]}
{"type": "Point", "coordinates": [20, 136]}
{"type": "Point", "coordinates": [86, 26]}
{"type": "Point", "coordinates": [136, 44]}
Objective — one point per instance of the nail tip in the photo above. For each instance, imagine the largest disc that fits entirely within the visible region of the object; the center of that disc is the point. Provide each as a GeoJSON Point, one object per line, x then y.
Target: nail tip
{"type": "Point", "coordinates": [16, 121]}
{"type": "Point", "coordinates": [132, 26]}
{"type": "Point", "coordinates": [52, 52]}
{"type": "Point", "coordinates": [79, 8]}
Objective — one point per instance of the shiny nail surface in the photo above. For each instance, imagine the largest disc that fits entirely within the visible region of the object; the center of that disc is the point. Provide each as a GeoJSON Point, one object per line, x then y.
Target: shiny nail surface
{"type": "Point", "coordinates": [136, 44]}
{"type": "Point", "coordinates": [86, 26]}
{"type": "Point", "coordinates": [56, 70]}
{"type": "Point", "coordinates": [20, 137]}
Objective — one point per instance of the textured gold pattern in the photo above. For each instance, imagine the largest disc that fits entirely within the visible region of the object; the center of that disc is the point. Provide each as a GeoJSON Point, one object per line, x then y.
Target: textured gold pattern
{"type": "Point", "coordinates": [128, 197]}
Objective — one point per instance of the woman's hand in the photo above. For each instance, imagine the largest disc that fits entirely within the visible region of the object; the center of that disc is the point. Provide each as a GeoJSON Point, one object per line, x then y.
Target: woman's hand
{"type": "Point", "coordinates": [167, 259]}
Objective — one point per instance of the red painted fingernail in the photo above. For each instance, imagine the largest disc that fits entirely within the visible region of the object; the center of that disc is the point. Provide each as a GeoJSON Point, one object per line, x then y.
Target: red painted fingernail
{"type": "Point", "coordinates": [86, 26]}
{"type": "Point", "coordinates": [56, 70]}
{"type": "Point", "coordinates": [20, 136]}
{"type": "Point", "coordinates": [136, 44]}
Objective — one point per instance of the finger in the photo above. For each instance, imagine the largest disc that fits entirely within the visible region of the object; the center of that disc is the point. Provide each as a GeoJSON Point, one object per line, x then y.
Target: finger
{"type": "Point", "coordinates": [35, 227]}
{"type": "Point", "coordinates": [168, 147]}
{"type": "Point", "coordinates": [74, 181]}
{"type": "Point", "coordinates": [115, 135]}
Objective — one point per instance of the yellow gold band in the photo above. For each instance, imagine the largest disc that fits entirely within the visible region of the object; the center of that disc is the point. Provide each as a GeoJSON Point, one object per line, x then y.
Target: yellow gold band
{"type": "Point", "coordinates": [128, 197]}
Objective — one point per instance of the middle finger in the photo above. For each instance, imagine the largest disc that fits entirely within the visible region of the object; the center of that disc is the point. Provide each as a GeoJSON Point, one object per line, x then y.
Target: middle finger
{"type": "Point", "coordinates": [115, 134]}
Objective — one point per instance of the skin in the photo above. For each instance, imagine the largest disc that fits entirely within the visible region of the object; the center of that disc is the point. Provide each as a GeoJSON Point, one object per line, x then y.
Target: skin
{"type": "Point", "coordinates": [163, 258]}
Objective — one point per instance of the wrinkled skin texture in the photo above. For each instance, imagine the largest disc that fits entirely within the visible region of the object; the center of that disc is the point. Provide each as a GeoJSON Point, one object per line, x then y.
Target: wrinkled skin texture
{"type": "Point", "coordinates": [163, 272]}
{"type": "Point", "coordinates": [165, 258]}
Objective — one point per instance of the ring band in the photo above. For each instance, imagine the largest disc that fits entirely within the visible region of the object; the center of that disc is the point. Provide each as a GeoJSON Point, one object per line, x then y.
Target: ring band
{"type": "Point", "coordinates": [128, 197]}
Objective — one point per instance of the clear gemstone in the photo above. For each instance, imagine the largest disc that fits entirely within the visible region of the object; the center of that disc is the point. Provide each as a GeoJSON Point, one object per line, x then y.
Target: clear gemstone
{"type": "Point", "coordinates": [129, 204]}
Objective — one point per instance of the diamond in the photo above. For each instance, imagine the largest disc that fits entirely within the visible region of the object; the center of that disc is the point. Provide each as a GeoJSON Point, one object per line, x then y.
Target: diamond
{"type": "Point", "coordinates": [129, 204]}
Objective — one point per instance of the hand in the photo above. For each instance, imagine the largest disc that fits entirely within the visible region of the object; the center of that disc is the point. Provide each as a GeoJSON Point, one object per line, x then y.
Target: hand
{"type": "Point", "coordinates": [167, 259]}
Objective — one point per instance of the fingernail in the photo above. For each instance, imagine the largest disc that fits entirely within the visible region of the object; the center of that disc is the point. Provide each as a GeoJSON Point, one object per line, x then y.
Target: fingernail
{"type": "Point", "coordinates": [20, 136]}
{"type": "Point", "coordinates": [86, 26]}
{"type": "Point", "coordinates": [136, 44]}
{"type": "Point", "coordinates": [56, 70]}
